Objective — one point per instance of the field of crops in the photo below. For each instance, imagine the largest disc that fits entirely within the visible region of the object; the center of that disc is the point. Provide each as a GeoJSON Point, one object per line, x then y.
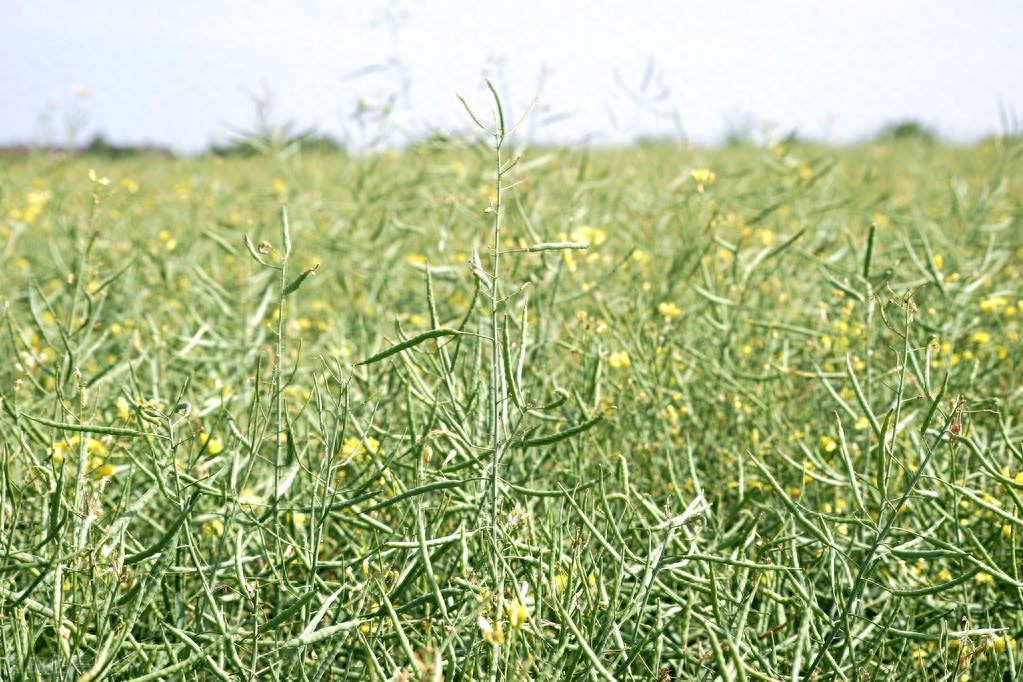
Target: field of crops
{"type": "Point", "coordinates": [625, 414]}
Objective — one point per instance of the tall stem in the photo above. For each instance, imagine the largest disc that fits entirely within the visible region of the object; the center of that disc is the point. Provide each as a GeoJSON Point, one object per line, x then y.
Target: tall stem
{"type": "Point", "coordinates": [496, 384]}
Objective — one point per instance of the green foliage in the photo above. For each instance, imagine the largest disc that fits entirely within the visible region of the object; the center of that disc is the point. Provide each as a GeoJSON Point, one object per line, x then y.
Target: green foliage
{"type": "Point", "coordinates": [763, 424]}
{"type": "Point", "coordinates": [906, 130]}
{"type": "Point", "coordinates": [270, 137]}
{"type": "Point", "coordinates": [100, 147]}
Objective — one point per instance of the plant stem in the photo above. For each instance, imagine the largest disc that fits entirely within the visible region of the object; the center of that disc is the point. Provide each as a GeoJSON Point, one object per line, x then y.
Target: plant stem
{"type": "Point", "coordinates": [496, 387]}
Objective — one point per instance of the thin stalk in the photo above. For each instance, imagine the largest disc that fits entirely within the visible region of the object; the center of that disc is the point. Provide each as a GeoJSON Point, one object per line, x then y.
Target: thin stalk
{"type": "Point", "coordinates": [497, 395]}
{"type": "Point", "coordinates": [278, 409]}
{"type": "Point", "coordinates": [278, 394]}
{"type": "Point", "coordinates": [868, 381]}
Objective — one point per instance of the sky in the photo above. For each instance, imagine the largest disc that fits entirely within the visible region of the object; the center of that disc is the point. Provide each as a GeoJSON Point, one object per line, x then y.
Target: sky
{"type": "Point", "coordinates": [189, 73]}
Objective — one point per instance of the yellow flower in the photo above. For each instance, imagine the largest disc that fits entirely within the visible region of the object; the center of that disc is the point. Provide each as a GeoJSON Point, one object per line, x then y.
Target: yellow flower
{"type": "Point", "coordinates": [97, 179]}
{"type": "Point", "coordinates": [702, 176]}
{"type": "Point", "coordinates": [766, 237]}
{"type": "Point", "coordinates": [123, 408]}
{"type": "Point", "coordinates": [169, 242]}
{"type": "Point", "coordinates": [668, 310]}
{"type": "Point", "coordinates": [980, 337]}
{"type": "Point", "coordinates": [94, 447]}
{"type": "Point", "coordinates": [828, 444]}
{"type": "Point", "coordinates": [99, 470]}
{"type": "Point", "coordinates": [619, 360]}
{"type": "Point", "coordinates": [356, 449]}
{"type": "Point", "coordinates": [38, 198]}
{"type": "Point", "coordinates": [213, 528]}
{"type": "Point", "coordinates": [490, 633]}
{"type": "Point", "coordinates": [1003, 642]}
{"type": "Point", "coordinates": [211, 444]}
{"type": "Point", "coordinates": [593, 235]}
{"type": "Point", "coordinates": [569, 260]}
{"type": "Point", "coordinates": [517, 614]}
{"type": "Point", "coordinates": [35, 201]}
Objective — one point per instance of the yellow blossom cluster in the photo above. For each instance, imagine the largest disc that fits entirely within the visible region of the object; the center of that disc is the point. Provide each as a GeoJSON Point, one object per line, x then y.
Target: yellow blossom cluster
{"type": "Point", "coordinates": [96, 450]}
{"type": "Point", "coordinates": [703, 177]}
{"type": "Point", "coordinates": [359, 449]}
{"type": "Point", "coordinates": [35, 201]}
{"type": "Point", "coordinates": [593, 236]}
{"type": "Point", "coordinates": [669, 311]}
{"type": "Point", "coordinates": [619, 360]}
{"type": "Point", "coordinates": [1001, 305]}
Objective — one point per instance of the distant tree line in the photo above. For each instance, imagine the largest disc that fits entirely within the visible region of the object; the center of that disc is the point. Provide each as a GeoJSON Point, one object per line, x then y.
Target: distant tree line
{"type": "Point", "coordinates": [253, 145]}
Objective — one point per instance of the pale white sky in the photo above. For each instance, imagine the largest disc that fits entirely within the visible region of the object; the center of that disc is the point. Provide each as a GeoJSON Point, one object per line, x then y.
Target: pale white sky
{"type": "Point", "coordinates": [179, 73]}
